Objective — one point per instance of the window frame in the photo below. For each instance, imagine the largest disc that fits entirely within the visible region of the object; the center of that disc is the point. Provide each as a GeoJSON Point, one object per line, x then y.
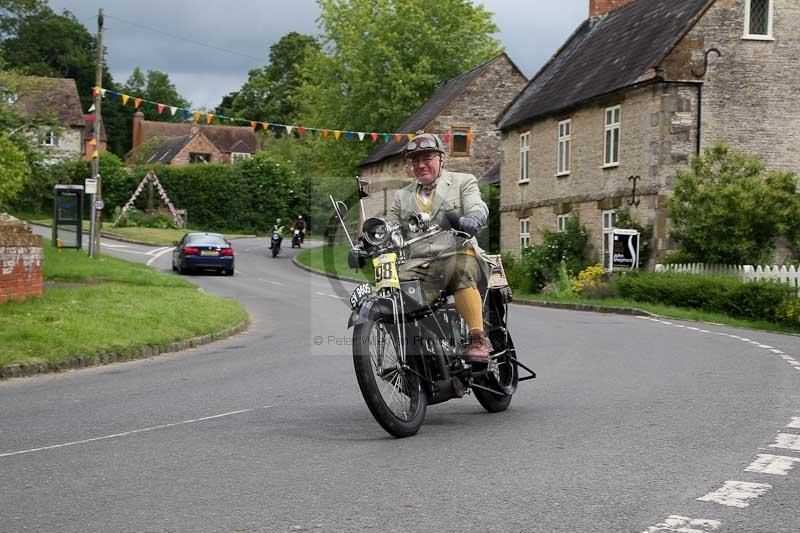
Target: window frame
{"type": "Point", "coordinates": [460, 131]}
{"type": "Point", "coordinates": [242, 156]}
{"type": "Point", "coordinates": [524, 236]}
{"type": "Point", "coordinates": [758, 36]}
{"type": "Point", "coordinates": [50, 138]}
{"type": "Point", "coordinates": [607, 244]}
{"type": "Point", "coordinates": [561, 222]}
{"type": "Point", "coordinates": [199, 160]}
{"type": "Point", "coordinates": [524, 154]}
{"type": "Point", "coordinates": [564, 155]}
{"type": "Point", "coordinates": [612, 129]}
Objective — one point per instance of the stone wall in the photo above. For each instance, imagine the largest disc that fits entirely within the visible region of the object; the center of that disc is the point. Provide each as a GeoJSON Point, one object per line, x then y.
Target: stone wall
{"type": "Point", "coordinates": [750, 90]}
{"type": "Point", "coordinates": [20, 260]}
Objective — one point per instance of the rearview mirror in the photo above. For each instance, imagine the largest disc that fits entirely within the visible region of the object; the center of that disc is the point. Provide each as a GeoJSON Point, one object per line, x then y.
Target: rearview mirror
{"type": "Point", "coordinates": [341, 209]}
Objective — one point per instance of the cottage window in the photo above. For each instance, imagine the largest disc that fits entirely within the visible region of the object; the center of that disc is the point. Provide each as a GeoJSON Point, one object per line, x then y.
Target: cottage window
{"type": "Point", "coordinates": [564, 142]}
{"type": "Point", "coordinates": [609, 221]}
{"type": "Point", "coordinates": [611, 144]}
{"type": "Point", "coordinates": [459, 144]}
{"type": "Point", "coordinates": [758, 19]}
{"type": "Point", "coordinates": [199, 157]}
{"type": "Point", "coordinates": [50, 138]}
{"type": "Point", "coordinates": [240, 156]}
{"type": "Point", "coordinates": [524, 153]}
{"type": "Point", "coordinates": [524, 233]}
{"type": "Point", "coordinates": [561, 222]}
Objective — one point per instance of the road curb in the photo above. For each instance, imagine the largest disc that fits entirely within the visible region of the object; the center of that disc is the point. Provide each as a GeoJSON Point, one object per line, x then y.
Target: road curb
{"type": "Point", "coordinates": [22, 370]}
{"type": "Point", "coordinates": [325, 274]}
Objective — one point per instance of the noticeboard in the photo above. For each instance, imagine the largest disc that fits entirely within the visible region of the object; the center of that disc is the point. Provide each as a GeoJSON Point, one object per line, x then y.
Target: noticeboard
{"type": "Point", "coordinates": [625, 252]}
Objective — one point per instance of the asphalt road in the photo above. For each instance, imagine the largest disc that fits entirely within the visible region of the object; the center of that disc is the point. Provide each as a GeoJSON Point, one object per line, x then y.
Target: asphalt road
{"type": "Point", "coordinates": [630, 421]}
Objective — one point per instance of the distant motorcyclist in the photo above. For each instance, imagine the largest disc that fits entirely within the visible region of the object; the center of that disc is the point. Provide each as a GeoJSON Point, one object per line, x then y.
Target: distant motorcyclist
{"type": "Point", "coordinates": [278, 229]}
{"type": "Point", "coordinates": [300, 225]}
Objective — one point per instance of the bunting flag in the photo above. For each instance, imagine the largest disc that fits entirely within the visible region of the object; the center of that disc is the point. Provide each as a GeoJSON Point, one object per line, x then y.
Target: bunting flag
{"type": "Point", "coordinates": [91, 108]}
{"type": "Point", "coordinates": [92, 142]}
{"type": "Point", "coordinates": [95, 154]}
{"type": "Point", "coordinates": [301, 131]}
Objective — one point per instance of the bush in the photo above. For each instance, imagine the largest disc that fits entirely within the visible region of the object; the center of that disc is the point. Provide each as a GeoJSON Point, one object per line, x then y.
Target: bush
{"type": "Point", "coordinates": [756, 300]}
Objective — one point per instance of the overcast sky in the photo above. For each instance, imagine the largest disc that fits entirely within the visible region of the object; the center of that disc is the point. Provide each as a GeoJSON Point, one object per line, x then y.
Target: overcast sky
{"type": "Point", "coordinates": [238, 35]}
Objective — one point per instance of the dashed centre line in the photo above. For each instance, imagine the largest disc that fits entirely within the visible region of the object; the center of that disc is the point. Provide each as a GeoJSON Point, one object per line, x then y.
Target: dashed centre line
{"type": "Point", "coordinates": [736, 493]}
{"type": "Point", "coordinates": [684, 524]}
{"type": "Point", "coordinates": [772, 464]}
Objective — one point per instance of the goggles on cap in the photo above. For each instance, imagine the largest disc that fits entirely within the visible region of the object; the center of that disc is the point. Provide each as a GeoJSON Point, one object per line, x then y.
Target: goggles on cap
{"type": "Point", "coordinates": [421, 144]}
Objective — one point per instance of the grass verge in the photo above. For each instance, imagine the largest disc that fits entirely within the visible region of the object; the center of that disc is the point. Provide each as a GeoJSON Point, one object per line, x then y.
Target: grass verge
{"type": "Point", "coordinates": [316, 258]}
{"type": "Point", "coordinates": [678, 313]}
{"type": "Point", "coordinates": [118, 306]}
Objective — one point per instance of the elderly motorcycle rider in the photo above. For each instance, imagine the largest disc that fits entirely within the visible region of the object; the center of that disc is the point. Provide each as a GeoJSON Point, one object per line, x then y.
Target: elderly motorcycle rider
{"type": "Point", "coordinates": [452, 262]}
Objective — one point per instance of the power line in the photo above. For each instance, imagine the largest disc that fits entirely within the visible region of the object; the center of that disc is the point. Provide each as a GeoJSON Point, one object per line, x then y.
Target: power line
{"type": "Point", "coordinates": [179, 38]}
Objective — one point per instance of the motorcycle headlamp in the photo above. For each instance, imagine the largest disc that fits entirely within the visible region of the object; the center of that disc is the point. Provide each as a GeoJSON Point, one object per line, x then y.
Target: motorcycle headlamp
{"type": "Point", "coordinates": [419, 222]}
{"type": "Point", "coordinates": [375, 231]}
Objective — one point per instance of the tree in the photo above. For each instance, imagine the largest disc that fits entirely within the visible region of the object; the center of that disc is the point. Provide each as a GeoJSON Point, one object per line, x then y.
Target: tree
{"type": "Point", "coordinates": [726, 210]}
{"type": "Point", "coordinates": [268, 95]}
{"type": "Point", "coordinates": [14, 171]}
{"type": "Point", "coordinates": [156, 87]}
{"type": "Point", "coordinates": [382, 59]}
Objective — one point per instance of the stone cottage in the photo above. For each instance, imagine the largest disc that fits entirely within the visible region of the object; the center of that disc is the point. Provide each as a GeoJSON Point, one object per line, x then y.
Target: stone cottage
{"type": "Point", "coordinates": [463, 111]}
{"type": "Point", "coordinates": [638, 89]}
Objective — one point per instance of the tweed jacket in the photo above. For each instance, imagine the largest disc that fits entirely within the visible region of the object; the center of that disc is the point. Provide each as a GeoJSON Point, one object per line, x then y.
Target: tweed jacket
{"type": "Point", "coordinates": [455, 193]}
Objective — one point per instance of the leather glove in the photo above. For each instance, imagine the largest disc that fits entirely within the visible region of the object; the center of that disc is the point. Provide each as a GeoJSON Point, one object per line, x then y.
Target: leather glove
{"type": "Point", "coordinates": [471, 223]}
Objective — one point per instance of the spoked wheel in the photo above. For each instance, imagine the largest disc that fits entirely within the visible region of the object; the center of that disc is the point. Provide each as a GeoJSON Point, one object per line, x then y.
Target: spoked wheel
{"type": "Point", "coordinates": [394, 396]}
{"type": "Point", "coordinates": [502, 375]}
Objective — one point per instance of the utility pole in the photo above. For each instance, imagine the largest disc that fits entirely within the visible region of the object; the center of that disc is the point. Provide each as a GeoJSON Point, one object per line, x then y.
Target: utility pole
{"type": "Point", "coordinates": [96, 208]}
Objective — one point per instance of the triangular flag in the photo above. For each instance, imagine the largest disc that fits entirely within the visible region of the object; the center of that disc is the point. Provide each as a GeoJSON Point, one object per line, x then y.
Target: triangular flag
{"type": "Point", "coordinates": [186, 114]}
{"type": "Point", "coordinates": [197, 115]}
{"type": "Point", "coordinates": [470, 136]}
{"type": "Point", "coordinates": [349, 134]}
{"type": "Point", "coordinates": [103, 93]}
{"type": "Point", "coordinates": [324, 132]}
{"type": "Point", "coordinates": [410, 136]}
{"type": "Point", "coordinates": [374, 136]}
{"type": "Point", "coordinates": [88, 118]}
{"type": "Point", "coordinates": [95, 154]}
{"type": "Point", "coordinates": [160, 108]}
{"type": "Point", "coordinates": [125, 98]}
{"type": "Point", "coordinates": [301, 130]}
{"type": "Point", "coordinates": [337, 133]}
{"type": "Point", "coordinates": [289, 129]}
{"type": "Point", "coordinates": [92, 142]}
{"type": "Point", "coordinates": [398, 137]}
{"type": "Point", "coordinates": [172, 110]}
{"type": "Point", "coordinates": [253, 124]}
{"type": "Point", "coordinates": [209, 118]}
{"type": "Point", "coordinates": [386, 137]}
{"type": "Point", "coordinates": [137, 102]}
{"type": "Point", "coordinates": [360, 135]}
{"type": "Point", "coordinates": [91, 108]}
{"type": "Point", "coordinates": [446, 138]}
{"type": "Point", "coordinates": [265, 125]}
{"type": "Point", "coordinates": [97, 90]}
{"type": "Point", "coordinates": [114, 96]}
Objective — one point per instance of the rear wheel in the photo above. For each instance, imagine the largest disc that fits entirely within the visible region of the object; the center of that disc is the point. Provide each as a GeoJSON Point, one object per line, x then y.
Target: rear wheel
{"type": "Point", "coordinates": [394, 396]}
{"type": "Point", "coordinates": [502, 376]}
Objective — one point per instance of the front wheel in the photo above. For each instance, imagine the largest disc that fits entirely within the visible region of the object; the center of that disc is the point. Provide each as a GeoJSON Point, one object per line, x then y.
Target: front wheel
{"type": "Point", "coordinates": [502, 375]}
{"type": "Point", "coordinates": [394, 395]}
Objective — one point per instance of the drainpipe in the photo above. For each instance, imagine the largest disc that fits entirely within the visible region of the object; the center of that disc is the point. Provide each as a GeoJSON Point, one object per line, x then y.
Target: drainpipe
{"type": "Point", "coordinates": [699, 116]}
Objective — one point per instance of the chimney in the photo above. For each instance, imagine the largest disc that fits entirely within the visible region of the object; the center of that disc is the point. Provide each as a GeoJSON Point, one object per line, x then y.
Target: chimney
{"type": "Point", "coordinates": [138, 130]}
{"type": "Point", "coordinates": [601, 7]}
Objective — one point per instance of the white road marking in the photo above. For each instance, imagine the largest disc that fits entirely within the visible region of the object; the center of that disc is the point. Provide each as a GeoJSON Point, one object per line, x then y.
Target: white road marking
{"type": "Point", "coordinates": [132, 432]}
{"type": "Point", "coordinates": [774, 350]}
{"type": "Point", "coordinates": [159, 254]}
{"type": "Point", "coordinates": [787, 441]}
{"type": "Point", "coordinates": [772, 464]}
{"type": "Point", "coordinates": [107, 245]}
{"type": "Point", "coordinates": [736, 493]}
{"type": "Point", "coordinates": [684, 524]}
{"type": "Point", "coordinates": [273, 282]}
{"type": "Point", "coordinates": [331, 295]}
{"type": "Point", "coordinates": [156, 250]}
{"type": "Point", "coordinates": [795, 423]}
{"type": "Point", "coordinates": [130, 251]}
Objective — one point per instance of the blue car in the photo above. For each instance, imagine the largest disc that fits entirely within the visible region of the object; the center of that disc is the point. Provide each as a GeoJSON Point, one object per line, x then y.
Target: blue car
{"type": "Point", "coordinates": [197, 251]}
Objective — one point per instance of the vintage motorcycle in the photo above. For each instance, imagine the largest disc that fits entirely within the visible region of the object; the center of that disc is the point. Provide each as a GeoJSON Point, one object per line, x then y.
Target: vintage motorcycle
{"type": "Point", "coordinates": [275, 245]}
{"type": "Point", "coordinates": [408, 338]}
{"type": "Point", "coordinates": [297, 238]}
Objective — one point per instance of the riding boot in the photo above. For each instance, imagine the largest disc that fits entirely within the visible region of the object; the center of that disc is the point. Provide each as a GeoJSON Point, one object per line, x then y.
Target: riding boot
{"type": "Point", "coordinates": [479, 348]}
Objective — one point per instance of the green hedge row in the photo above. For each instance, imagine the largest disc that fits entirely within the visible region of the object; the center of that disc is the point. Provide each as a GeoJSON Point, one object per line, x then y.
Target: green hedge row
{"type": "Point", "coordinates": [757, 300]}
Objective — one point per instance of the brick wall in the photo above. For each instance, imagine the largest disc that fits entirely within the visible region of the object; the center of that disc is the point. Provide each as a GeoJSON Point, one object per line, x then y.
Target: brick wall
{"type": "Point", "coordinates": [20, 261]}
{"type": "Point", "coordinates": [200, 145]}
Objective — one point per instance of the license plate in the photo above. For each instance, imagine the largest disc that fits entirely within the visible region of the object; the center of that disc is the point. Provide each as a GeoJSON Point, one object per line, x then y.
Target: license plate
{"type": "Point", "coordinates": [386, 271]}
{"type": "Point", "coordinates": [360, 294]}
{"type": "Point", "coordinates": [209, 252]}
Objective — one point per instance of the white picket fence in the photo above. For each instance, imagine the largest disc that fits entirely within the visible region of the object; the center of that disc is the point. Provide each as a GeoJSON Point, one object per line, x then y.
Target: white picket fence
{"type": "Point", "coordinates": [790, 275]}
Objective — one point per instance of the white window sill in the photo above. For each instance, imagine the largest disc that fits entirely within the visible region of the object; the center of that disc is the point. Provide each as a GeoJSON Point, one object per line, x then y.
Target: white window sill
{"type": "Point", "coordinates": [758, 38]}
{"type": "Point", "coordinates": [610, 165]}
{"type": "Point", "coordinates": [562, 174]}
{"type": "Point", "coordinates": [524, 182]}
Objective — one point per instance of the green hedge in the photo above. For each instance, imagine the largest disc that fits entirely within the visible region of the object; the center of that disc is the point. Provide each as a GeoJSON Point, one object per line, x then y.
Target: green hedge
{"type": "Point", "coordinates": [757, 300]}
